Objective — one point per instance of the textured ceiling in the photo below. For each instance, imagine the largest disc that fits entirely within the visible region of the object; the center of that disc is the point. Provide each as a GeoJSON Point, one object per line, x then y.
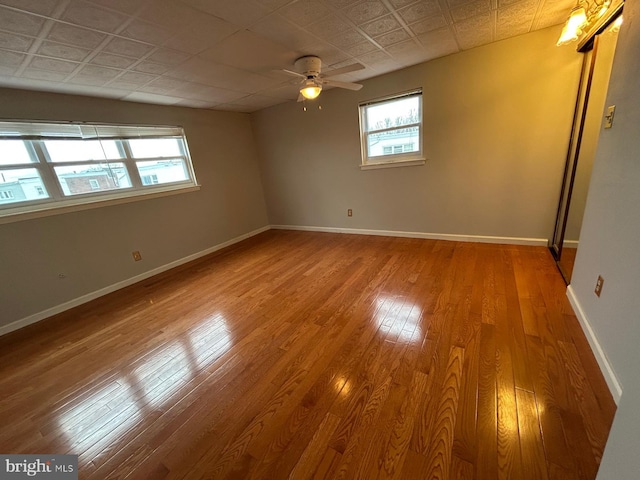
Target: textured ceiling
{"type": "Point", "coordinates": [221, 54]}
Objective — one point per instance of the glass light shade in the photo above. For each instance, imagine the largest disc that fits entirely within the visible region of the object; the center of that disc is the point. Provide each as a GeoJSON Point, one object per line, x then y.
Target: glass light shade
{"type": "Point", "coordinates": [577, 18]}
{"type": "Point", "coordinates": [573, 28]}
{"type": "Point", "coordinates": [567, 36]}
{"type": "Point", "coordinates": [310, 90]}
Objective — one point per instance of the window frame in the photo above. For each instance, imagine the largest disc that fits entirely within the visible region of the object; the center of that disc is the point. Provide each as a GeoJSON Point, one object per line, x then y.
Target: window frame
{"type": "Point", "coordinates": [400, 159]}
{"type": "Point", "coordinates": [34, 134]}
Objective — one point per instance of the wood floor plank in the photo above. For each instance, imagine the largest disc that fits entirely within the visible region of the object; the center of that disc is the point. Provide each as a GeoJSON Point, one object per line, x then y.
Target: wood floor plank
{"type": "Point", "coordinates": [298, 355]}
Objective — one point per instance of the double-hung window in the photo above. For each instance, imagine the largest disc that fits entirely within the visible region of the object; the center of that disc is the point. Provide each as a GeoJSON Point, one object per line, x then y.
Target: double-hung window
{"type": "Point", "coordinates": [391, 130]}
{"type": "Point", "coordinates": [47, 166]}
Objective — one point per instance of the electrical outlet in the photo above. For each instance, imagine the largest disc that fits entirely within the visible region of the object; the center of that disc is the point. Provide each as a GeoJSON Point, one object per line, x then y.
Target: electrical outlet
{"type": "Point", "coordinates": [136, 256]}
{"type": "Point", "coordinates": [599, 284]}
{"type": "Point", "coordinates": [349, 213]}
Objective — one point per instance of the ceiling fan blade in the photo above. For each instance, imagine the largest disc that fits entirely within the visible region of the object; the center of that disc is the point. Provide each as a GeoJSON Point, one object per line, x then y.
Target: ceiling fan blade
{"type": "Point", "coordinates": [300, 98]}
{"type": "Point", "coordinates": [347, 85]}
{"type": "Point", "coordinates": [295, 74]}
{"type": "Point", "coordinates": [347, 69]}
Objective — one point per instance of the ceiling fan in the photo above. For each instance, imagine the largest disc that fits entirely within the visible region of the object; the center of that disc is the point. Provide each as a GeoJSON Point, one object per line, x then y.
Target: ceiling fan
{"type": "Point", "coordinates": [311, 80]}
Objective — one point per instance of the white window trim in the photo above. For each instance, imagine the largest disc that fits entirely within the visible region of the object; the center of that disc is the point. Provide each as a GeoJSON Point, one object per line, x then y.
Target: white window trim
{"type": "Point", "coordinates": [392, 160]}
{"type": "Point", "coordinates": [57, 203]}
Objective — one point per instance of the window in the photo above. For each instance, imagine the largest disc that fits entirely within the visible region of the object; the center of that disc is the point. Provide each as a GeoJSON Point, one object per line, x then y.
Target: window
{"type": "Point", "coordinates": [48, 165]}
{"type": "Point", "coordinates": [391, 130]}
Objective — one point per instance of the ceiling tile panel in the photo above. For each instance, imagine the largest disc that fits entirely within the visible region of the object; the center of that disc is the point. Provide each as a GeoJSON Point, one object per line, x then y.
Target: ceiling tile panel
{"type": "Point", "coordinates": [428, 24]}
{"type": "Point", "coordinates": [110, 60]}
{"type": "Point", "coordinates": [304, 12]}
{"type": "Point", "coordinates": [7, 79]}
{"type": "Point", "coordinates": [125, 6]}
{"type": "Point", "coordinates": [366, 11]}
{"type": "Point", "coordinates": [244, 13]}
{"type": "Point", "coordinates": [420, 10]}
{"type": "Point", "coordinates": [169, 14]}
{"type": "Point", "coordinates": [136, 78]}
{"type": "Point", "coordinates": [53, 65]}
{"type": "Point", "coordinates": [439, 43]}
{"type": "Point", "coordinates": [167, 56]}
{"type": "Point", "coordinates": [89, 80]}
{"type": "Point", "coordinates": [146, 32]}
{"type": "Point", "coordinates": [329, 28]}
{"type": "Point", "coordinates": [274, 4]}
{"type": "Point", "coordinates": [151, 68]}
{"type": "Point", "coordinates": [65, 52]}
{"type": "Point", "coordinates": [347, 39]}
{"type": "Point", "coordinates": [474, 31]}
{"type": "Point", "coordinates": [18, 22]}
{"type": "Point", "coordinates": [41, 7]}
{"type": "Point", "coordinates": [513, 21]}
{"type": "Point", "coordinates": [277, 29]}
{"type": "Point", "coordinates": [361, 49]}
{"type": "Point", "coordinates": [46, 75]}
{"type": "Point", "coordinates": [401, 3]}
{"type": "Point", "coordinates": [470, 9]}
{"type": "Point", "coordinates": [250, 51]}
{"type": "Point", "coordinates": [391, 38]}
{"type": "Point", "coordinates": [342, 3]}
{"type": "Point", "coordinates": [11, 59]}
{"type": "Point", "coordinates": [374, 57]}
{"type": "Point", "coordinates": [100, 72]}
{"type": "Point", "coordinates": [12, 41]}
{"type": "Point", "coordinates": [257, 101]}
{"type": "Point", "coordinates": [128, 47]}
{"type": "Point", "coordinates": [381, 25]}
{"type": "Point", "coordinates": [78, 36]}
{"type": "Point", "coordinates": [93, 16]}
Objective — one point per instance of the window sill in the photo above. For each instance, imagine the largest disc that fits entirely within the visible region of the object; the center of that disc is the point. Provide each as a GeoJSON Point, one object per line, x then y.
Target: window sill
{"type": "Point", "coordinates": [78, 204]}
{"type": "Point", "coordinates": [397, 163]}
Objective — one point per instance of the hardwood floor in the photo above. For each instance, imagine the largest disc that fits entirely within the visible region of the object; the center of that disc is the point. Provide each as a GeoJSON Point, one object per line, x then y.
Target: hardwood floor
{"type": "Point", "coordinates": [317, 356]}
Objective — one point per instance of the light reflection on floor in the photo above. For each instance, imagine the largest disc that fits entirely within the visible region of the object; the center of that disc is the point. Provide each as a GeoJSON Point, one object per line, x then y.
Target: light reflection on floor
{"type": "Point", "coordinates": [398, 318]}
{"type": "Point", "coordinates": [116, 407]}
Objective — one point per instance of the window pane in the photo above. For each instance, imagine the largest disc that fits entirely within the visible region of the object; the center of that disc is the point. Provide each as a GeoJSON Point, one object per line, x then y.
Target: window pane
{"type": "Point", "coordinates": [393, 142]}
{"type": "Point", "coordinates": [82, 150]}
{"type": "Point", "coordinates": [13, 151]}
{"type": "Point", "coordinates": [21, 185]}
{"type": "Point", "coordinates": [92, 178]}
{"type": "Point", "coordinates": [155, 147]}
{"type": "Point", "coordinates": [393, 113]}
{"type": "Point", "coordinates": [162, 171]}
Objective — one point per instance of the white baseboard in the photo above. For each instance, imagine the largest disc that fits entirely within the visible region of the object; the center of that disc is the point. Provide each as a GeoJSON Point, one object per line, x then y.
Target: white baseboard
{"type": "Point", "coordinates": [607, 370]}
{"type": "Point", "coordinates": [433, 236]}
{"type": "Point", "coordinates": [36, 317]}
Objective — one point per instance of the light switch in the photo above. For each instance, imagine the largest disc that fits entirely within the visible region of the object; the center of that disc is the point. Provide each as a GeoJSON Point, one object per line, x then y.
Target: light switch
{"type": "Point", "coordinates": [608, 118]}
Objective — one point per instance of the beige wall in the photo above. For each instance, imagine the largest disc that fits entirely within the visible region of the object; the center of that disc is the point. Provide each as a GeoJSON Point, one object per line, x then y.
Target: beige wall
{"type": "Point", "coordinates": [496, 120]}
{"type": "Point", "coordinates": [93, 247]}
{"type": "Point", "coordinates": [609, 247]}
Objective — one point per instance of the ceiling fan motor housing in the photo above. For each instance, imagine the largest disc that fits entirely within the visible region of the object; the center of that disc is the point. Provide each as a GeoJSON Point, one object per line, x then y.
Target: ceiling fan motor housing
{"type": "Point", "coordinates": [309, 65]}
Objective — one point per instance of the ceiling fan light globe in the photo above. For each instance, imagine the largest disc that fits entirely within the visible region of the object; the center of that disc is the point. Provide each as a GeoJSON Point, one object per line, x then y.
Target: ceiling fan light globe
{"type": "Point", "coordinates": [311, 92]}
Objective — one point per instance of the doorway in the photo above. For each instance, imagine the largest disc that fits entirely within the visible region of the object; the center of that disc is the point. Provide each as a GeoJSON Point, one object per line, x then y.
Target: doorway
{"type": "Point", "coordinates": [598, 57]}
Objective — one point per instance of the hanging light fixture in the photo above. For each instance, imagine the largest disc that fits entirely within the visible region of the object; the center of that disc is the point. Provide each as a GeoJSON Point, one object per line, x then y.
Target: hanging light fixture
{"type": "Point", "coordinates": [581, 16]}
{"type": "Point", "coordinates": [310, 89]}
